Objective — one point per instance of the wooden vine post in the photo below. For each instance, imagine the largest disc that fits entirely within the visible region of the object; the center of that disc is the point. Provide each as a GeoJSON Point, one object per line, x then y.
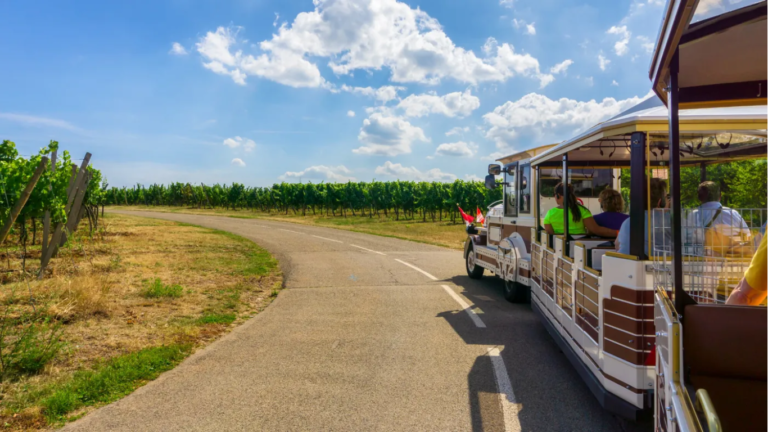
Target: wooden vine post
{"type": "Point", "coordinates": [47, 215]}
{"type": "Point", "coordinates": [22, 199]}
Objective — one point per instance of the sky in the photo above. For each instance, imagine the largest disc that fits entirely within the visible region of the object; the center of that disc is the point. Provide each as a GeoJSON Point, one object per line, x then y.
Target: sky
{"type": "Point", "coordinates": [264, 91]}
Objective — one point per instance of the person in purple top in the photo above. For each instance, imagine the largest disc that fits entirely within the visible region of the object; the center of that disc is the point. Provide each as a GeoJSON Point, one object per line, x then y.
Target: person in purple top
{"type": "Point", "coordinates": [612, 205]}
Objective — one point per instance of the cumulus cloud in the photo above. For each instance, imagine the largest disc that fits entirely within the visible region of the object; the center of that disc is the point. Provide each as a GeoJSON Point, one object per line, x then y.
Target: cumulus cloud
{"type": "Point", "coordinates": [528, 28]}
{"type": "Point", "coordinates": [177, 49]}
{"type": "Point", "coordinates": [388, 135]}
{"type": "Point", "coordinates": [646, 44]}
{"type": "Point", "coordinates": [350, 113]}
{"type": "Point", "coordinates": [561, 67]}
{"type": "Point", "coordinates": [338, 174]}
{"type": "Point", "coordinates": [457, 131]}
{"type": "Point", "coordinates": [238, 162]}
{"type": "Point", "coordinates": [382, 94]}
{"type": "Point", "coordinates": [457, 149]}
{"type": "Point", "coordinates": [237, 142]}
{"type": "Point", "coordinates": [543, 119]}
{"type": "Point", "coordinates": [401, 172]}
{"type": "Point", "coordinates": [602, 62]}
{"type": "Point", "coordinates": [362, 34]}
{"type": "Point", "coordinates": [456, 104]}
{"type": "Point", "coordinates": [622, 45]}
{"type": "Point", "coordinates": [614, 83]}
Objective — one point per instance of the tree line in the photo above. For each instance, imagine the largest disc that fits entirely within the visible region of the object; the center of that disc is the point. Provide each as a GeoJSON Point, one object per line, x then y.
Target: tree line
{"type": "Point", "coordinates": [397, 199]}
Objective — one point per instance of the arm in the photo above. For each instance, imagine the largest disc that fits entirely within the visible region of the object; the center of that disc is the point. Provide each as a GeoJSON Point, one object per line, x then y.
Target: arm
{"type": "Point", "coordinates": [594, 228]}
{"type": "Point", "coordinates": [548, 228]}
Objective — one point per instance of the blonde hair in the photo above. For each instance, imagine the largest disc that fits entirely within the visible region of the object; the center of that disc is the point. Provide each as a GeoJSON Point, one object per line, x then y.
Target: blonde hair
{"type": "Point", "coordinates": [611, 201]}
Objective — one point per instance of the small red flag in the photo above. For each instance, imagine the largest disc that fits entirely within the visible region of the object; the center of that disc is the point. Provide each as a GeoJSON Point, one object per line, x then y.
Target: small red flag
{"type": "Point", "coordinates": [467, 218]}
{"type": "Point", "coordinates": [480, 218]}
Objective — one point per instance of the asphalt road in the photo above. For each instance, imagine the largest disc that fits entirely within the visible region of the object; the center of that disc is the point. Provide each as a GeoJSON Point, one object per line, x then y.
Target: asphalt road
{"type": "Point", "coordinates": [360, 341]}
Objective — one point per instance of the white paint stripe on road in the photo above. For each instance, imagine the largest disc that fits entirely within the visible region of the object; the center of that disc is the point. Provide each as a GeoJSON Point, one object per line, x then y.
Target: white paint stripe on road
{"type": "Point", "coordinates": [509, 406]}
{"type": "Point", "coordinates": [366, 249]}
{"type": "Point", "coordinates": [467, 308]}
{"type": "Point", "coordinates": [417, 269]}
{"type": "Point", "coordinates": [325, 238]}
{"type": "Point", "coordinates": [295, 232]}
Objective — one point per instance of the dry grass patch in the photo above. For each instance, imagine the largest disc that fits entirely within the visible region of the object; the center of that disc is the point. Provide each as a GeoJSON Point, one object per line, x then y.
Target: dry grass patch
{"type": "Point", "coordinates": [139, 285]}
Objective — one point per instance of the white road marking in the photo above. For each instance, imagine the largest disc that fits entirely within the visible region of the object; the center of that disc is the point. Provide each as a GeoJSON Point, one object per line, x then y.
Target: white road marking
{"type": "Point", "coordinates": [467, 308]}
{"type": "Point", "coordinates": [366, 249]}
{"type": "Point", "coordinates": [295, 232]}
{"type": "Point", "coordinates": [325, 238]}
{"type": "Point", "coordinates": [509, 406]}
{"type": "Point", "coordinates": [417, 269]}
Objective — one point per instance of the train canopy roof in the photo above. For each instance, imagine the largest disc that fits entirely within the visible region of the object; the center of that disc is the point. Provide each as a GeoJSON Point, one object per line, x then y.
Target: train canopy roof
{"type": "Point", "coordinates": [707, 135]}
{"type": "Point", "coordinates": [527, 154]}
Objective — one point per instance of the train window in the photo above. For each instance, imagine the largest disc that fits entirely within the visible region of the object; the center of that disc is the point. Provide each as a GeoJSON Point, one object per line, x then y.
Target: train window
{"type": "Point", "coordinates": [510, 189]}
{"type": "Point", "coordinates": [587, 183]}
{"type": "Point", "coordinates": [525, 189]}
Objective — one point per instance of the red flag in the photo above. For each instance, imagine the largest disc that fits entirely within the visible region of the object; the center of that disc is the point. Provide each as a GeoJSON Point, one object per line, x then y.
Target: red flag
{"type": "Point", "coordinates": [467, 218]}
{"type": "Point", "coordinates": [480, 218]}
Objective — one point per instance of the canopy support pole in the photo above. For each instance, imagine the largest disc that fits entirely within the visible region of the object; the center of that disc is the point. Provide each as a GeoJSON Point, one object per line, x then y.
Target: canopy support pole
{"type": "Point", "coordinates": [702, 172]}
{"type": "Point", "coordinates": [637, 195]}
{"type": "Point", "coordinates": [538, 203]}
{"type": "Point", "coordinates": [565, 205]}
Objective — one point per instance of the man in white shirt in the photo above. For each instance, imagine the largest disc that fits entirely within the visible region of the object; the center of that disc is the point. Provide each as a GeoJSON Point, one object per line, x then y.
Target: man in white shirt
{"type": "Point", "coordinates": [711, 215]}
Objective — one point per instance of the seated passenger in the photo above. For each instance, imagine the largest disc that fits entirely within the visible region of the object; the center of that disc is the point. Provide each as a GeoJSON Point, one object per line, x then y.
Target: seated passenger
{"type": "Point", "coordinates": [712, 223]}
{"type": "Point", "coordinates": [580, 220]}
{"type": "Point", "coordinates": [613, 206]}
{"type": "Point", "coordinates": [752, 288]}
{"type": "Point", "coordinates": [662, 233]}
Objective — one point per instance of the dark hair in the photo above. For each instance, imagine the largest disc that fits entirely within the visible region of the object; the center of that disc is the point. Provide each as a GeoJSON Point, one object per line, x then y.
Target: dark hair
{"type": "Point", "coordinates": [611, 201]}
{"type": "Point", "coordinates": [573, 205]}
{"type": "Point", "coordinates": [658, 191]}
{"type": "Point", "coordinates": [708, 191]}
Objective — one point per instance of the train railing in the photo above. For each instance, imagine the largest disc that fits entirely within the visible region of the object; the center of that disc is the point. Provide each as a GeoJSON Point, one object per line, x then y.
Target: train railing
{"type": "Point", "coordinates": [587, 313]}
{"type": "Point", "coordinates": [548, 264]}
{"type": "Point", "coordinates": [564, 285]}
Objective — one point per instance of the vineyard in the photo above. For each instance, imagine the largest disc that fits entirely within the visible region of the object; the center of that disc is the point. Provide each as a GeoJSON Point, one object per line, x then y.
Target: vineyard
{"type": "Point", "coordinates": [394, 199]}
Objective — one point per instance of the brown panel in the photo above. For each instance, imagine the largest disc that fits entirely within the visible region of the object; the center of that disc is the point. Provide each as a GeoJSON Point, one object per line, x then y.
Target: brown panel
{"type": "Point", "coordinates": [630, 310]}
{"type": "Point", "coordinates": [537, 280]}
{"type": "Point", "coordinates": [479, 240]}
{"type": "Point", "coordinates": [589, 293]}
{"type": "Point", "coordinates": [549, 289]}
{"type": "Point", "coordinates": [489, 260]}
{"type": "Point", "coordinates": [524, 273]}
{"type": "Point", "coordinates": [507, 230]}
{"type": "Point", "coordinates": [525, 233]}
{"type": "Point", "coordinates": [624, 353]}
{"type": "Point", "coordinates": [580, 320]}
{"type": "Point", "coordinates": [626, 324]}
{"type": "Point", "coordinates": [629, 340]}
{"type": "Point", "coordinates": [623, 384]}
{"type": "Point", "coordinates": [631, 295]}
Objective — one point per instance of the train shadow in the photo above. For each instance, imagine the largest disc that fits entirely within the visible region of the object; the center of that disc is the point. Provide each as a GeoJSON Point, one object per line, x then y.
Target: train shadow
{"type": "Point", "coordinates": [548, 391]}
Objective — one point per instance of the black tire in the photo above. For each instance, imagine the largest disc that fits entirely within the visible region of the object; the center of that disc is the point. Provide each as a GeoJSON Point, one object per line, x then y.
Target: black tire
{"type": "Point", "coordinates": [474, 271]}
{"type": "Point", "coordinates": [515, 292]}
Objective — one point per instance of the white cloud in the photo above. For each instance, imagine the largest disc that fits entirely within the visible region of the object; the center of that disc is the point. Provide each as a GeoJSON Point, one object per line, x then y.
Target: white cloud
{"type": "Point", "coordinates": [382, 94]}
{"type": "Point", "coordinates": [177, 49]}
{"type": "Point", "coordinates": [529, 28]}
{"type": "Point", "coordinates": [38, 121]}
{"type": "Point", "coordinates": [614, 83]}
{"type": "Point", "coordinates": [339, 174]}
{"type": "Point", "coordinates": [457, 131]}
{"type": "Point", "coordinates": [472, 177]}
{"type": "Point", "coordinates": [238, 162]}
{"type": "Point", "coordinates": [350, 113]}
{"type": "Point", "coordinates": [456, 104]}
{"type": "Point", "coordinates": [561, 67]}
{"type": "Point", "coordinates": [277, 18]}
{"type": "Point", "coordinates": [459, 149]}
{"type": "Point", "coordinates": [507, 3]}
{"type": "Point", "coordinates": [602, 61]}
{"type": "Point", "coordinates": [362, 34]}
{"type": "Point", "coordinates": [401, 172]}
{"type": "Point", "coordinates": [646, 44]}
{"type": "Point", "coordinates": [236, 142]}
{"type": "Point", "coordinates": [494, 156]}
{"type": "Point", "coordinates": [622, 45]}
{"type": "Point", "coordinates": [546, 120]}
{"type": "Point", "coordinates": [388, 135]}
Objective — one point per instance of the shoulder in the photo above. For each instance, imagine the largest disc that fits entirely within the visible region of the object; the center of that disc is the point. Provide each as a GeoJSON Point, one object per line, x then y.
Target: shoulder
{"type": "Point", "coordinates": [585, 211]}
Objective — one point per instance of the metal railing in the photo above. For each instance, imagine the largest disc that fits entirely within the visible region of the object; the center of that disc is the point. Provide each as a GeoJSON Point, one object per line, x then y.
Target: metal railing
{"type": "Point", "coordinates": [587, 308]}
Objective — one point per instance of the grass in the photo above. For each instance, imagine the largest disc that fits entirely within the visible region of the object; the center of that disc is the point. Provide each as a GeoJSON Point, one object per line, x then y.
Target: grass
{"type": "Point", "coordinates": [443, 233]}
{"type": "Point", "coordinates": [130, 303]}
{"type": "Point", "coordinates": [111, 380]}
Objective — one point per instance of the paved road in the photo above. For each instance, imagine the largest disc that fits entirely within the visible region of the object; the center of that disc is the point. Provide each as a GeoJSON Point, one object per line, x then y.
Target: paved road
{"type": "Point", "coordinates": [361, 341]}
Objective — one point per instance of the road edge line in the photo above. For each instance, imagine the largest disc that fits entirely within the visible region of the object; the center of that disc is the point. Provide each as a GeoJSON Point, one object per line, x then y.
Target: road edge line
{"type": "Point", "coordinates": [417, 269]}
{"type": "Point", "coordinates": [509, 407]}
{"type": "Point", "coordinates": [467, 307]}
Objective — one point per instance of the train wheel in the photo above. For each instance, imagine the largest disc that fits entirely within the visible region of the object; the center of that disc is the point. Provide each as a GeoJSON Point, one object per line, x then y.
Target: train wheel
{"type": "Point", "coordinates": [474, 271]}
{"type": "Point", "coordinates": [515, 292]}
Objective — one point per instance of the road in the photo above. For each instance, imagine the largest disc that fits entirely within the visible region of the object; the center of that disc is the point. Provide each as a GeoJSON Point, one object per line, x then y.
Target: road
{"type": "Point", "coordinates": [371, 334]}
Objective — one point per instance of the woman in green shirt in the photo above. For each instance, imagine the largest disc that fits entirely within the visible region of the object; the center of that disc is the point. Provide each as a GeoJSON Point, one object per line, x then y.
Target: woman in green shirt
{"type": "Point", "coordinates": [580, 220]}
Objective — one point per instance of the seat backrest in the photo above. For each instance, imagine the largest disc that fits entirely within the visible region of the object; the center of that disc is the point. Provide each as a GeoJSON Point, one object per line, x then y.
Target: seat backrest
{"type": "Point", "coordinates": [726, 341]}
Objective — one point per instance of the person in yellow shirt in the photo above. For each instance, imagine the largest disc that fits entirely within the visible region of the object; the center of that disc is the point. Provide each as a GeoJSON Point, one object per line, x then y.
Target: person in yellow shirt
{"type": "Point", "coordinates": [751, 290]}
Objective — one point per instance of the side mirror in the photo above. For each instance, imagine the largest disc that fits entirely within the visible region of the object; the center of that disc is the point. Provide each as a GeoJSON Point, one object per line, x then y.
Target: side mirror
{"type": "Point", "coordinates": [490, 181]}
{"type": "Point", "coordinates": [494, 169]}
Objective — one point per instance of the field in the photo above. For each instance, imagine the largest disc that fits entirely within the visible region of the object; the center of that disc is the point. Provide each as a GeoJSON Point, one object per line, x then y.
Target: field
{"type": "Point", "coordinates": [117, 310]}
{"type": "Point", "coordinates": [440, 233]}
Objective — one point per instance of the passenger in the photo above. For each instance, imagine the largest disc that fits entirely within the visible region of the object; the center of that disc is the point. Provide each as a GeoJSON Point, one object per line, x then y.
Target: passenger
{"type": "Point", "coordinates": [661, 224]}
{"type": "Point", "coordinates": [752, 288]}
{"type": "Point", "coordinates": [718, 226]}
{"type": "Point", "coordinates": [613, 205]}
{"type": "Point", "coordinates": [580, 220]}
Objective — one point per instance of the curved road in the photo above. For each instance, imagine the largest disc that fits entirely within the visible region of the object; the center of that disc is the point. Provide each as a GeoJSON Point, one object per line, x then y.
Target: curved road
{"type": "Point", "coordinates": [371, 334]}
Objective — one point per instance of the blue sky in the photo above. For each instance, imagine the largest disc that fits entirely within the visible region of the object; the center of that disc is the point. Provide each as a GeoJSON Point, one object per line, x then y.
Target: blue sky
{"type": "Point", "coordinates": [263, 91]}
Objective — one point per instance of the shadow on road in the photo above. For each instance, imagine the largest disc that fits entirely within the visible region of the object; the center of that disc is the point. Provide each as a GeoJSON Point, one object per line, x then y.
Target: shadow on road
{"type": "Point", "coordinates": [550, 394]}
